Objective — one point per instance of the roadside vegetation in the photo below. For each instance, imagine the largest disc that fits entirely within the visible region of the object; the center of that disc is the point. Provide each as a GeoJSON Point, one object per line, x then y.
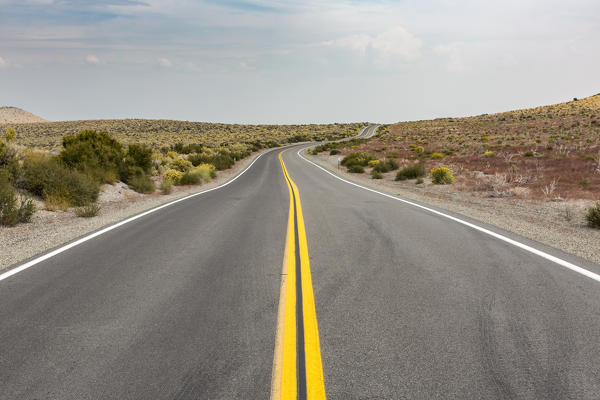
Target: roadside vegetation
{"type": "Point", "coordinates": [549, 153]}
{"type": "Point", "coordinates": [34, 169]}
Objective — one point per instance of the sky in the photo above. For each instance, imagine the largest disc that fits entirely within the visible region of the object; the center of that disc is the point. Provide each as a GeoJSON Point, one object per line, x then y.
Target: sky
{"type": "Point", "coordinates": [292, 61]}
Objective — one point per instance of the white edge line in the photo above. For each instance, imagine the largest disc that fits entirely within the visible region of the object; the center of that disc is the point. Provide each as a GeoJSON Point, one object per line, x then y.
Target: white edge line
{"type": "Point", "coordinates": [520, 245]}
{"type": "Point", "coordinates": [51, 254]}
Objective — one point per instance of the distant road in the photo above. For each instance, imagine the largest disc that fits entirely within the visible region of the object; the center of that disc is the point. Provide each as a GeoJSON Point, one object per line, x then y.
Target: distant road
{"type": "Point", "coordinates": [183, 303]}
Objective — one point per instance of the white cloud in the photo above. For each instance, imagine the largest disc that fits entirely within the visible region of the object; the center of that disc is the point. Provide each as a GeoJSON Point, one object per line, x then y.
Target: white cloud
{"type": "Point", "coordinates": [165, 62]}
{"type": "Point", "coordinates": [394, 43]}
{"type": "Point", "coordinates": [454, 58]}
{"type": "Point", "coordinates": [3, 63]}
{"type": "Point", "coordinates": [92, 59]}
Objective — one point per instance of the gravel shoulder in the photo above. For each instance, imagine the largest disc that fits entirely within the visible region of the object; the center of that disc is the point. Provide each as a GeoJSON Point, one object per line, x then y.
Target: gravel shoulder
{"type": "Point", "coordinates": [560, 224]}
{"type": "Point", "coordinates": [50, 229]}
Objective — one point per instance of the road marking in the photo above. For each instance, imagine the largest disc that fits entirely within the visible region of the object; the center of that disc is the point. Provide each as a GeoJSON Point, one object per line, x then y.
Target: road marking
{"type": "Point", "coordinates": [84, 239]}
{"type": "Point", "coordinates": [513, 242]}
{"type": "Point", "coordinates": [300, 356]}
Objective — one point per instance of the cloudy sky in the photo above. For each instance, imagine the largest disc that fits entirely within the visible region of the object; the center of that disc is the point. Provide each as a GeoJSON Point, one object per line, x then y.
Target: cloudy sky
{"type": "Point", "coordinates": [290, 61]}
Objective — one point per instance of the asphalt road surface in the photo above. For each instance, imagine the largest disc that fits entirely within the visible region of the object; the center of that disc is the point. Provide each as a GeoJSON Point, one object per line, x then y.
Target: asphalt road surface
{"type": "Point", "coordinates": [183, 303]}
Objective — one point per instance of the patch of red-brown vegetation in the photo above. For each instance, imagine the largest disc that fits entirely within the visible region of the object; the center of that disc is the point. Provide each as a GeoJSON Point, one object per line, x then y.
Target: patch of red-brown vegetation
{"type": "Point", "coordinates": [550, 152]}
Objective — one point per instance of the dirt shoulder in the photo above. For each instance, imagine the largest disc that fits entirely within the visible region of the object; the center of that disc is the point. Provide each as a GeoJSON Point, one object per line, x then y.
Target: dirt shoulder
{"type": "Point", "coordinates": [50, 229]}
{"type": "Point", "coordinates": [560, 224]}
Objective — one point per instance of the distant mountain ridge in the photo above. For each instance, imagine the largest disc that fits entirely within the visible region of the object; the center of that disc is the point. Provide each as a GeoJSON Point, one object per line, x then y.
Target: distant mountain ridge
{"type": "Point", "coordinates": [14, 115]}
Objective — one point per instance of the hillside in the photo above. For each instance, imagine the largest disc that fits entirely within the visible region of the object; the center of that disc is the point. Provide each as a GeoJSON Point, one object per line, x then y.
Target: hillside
{"type": "Point", "coordinates": [548, 152]}
{"type": "Point", "coordinates": [160, 133]}
{"type": "Point", "coordinates": [14, 115]}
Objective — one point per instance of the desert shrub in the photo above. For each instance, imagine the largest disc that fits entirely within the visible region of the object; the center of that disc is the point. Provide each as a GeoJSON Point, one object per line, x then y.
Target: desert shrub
{"type": "Point", "coordinates": [419, 149]}
{"type": "Point", "coordinates": [141, 183]}
{"type": "Point", "coordinates": [528, 154]}
{"type": "Point", "coordinates": [88, 211]}
{"type": "Point", "coordinates": [356, 169]}
{"type": "Point", "coordinates": [392, 165]}
{"type": "Point", "coordinates": [206, 171]}
{"type": "Point", "coordinates": [356, 159]}
{"type": "Point", "coordinates": [190, 178]}
{"type": "Point", "coordinates": [593, 216]}
{"type": "Point", "coordinates": [334, 152]}
{"type": "Point", "coordinates": [376, 174]}
{"type": "Point", "coordinates": [436, 156]}
{"type": "Point", "coordinates": [12, 213]}
{"type": "Point", "coordinates": [489, 154]}
{"type": "Point", "coordinates": [373, 163]}
{"type": "Point", "coordinates": [419, 180]}
{"type": "Point", "coordinates": [411, 172]}
{"type": "Point", "coordinates": [166, 187]}
{"type": "Point", "coordinates": [139, 155]}
{"type": "Point", "coordinates": [442, 176]}
{"type": "Point", "coordinates": [9, 162]}
{"type": "Point", "coordinates": [10, 134]}
{"type": "Point", "coordinates": [96, 154]}
{"type": "Point", "coordinates": [173, 176]}
{"type": "Point", "coordinates": [221, 160]}
{"type": "Point", "coordinates": [46, 177]}
{"type": "Point", "coordinates": [181, 164]}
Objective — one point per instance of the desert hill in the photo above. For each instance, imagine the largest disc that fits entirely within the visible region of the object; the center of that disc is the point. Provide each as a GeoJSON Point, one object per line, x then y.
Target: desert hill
{"type": "Point", "coordinates": [14, 115]}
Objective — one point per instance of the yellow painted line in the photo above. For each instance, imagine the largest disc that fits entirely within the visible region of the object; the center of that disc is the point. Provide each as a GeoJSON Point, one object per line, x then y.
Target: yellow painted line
{"type": "Point", "coordinates": [315, 384]}
{"type": "Point", "coordinates": [284, 383]}
{"type": "Point", "coordinates": [278, 354]}
{"type": "Point", "coordinates": [284, 379]}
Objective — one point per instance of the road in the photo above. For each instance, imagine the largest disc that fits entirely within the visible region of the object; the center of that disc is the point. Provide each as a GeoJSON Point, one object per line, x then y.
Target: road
{"type": "Point", "coordinates": [184, 303]}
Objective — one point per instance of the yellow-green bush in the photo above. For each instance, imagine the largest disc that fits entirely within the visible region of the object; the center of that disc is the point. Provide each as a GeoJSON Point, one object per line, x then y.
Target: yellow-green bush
{"type": "Point", "coordinates": [373, 163]}
{"type": "Point", "coordinates": [181, 164]}
{"type": "Point", "coordinates": [435, 156]}
{"type": "Point", "coordinates": [489, 154]}
{"type": "Point", "coordinates": [173, 176]}
{"type": "Point", "coordinates": [442, 176]}
{"type": "Point", "coordinates": [419, 149]}
{"type": "Point", "coordinates": [207, 171]}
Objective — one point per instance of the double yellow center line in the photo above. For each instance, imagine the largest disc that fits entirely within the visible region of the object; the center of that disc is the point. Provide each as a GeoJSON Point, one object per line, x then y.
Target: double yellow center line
{"type": "Point", "coordinates": [297, 366]}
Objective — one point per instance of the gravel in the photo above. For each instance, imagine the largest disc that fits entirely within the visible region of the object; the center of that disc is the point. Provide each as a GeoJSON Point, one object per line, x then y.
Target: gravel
{"type": "Point", "coordinates": [560, 224]}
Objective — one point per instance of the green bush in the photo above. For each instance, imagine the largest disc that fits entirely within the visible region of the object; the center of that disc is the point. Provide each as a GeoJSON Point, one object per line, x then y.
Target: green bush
{"type": "Point", "coordinates": [419, 180]}
{"type": "Point", "coordinates": [9, 162]}
{"type": "Point", "coordinates": [357, 159]}
{"type": "Point", "coordinates": [10, 212]}
{"type": "Point", "coordinates": [436, 156]}
{"type": "Point", "coordinates": [593, 216]}
{"type": "Point", "coordinates": [46, 176]}
{"type": "Point", "coordinates": [376, 174]}
{"type": "Point", "coordinates": [96, 154]}
{"type": "Point", "coordinates": [139, 155]}
{"type": "Point", "coordinates": [166, 187]}
{"type": "Point", "coordinates": [442, 176]}
{"type": "Point", "coordinates": [221, 161]}
{"type": "Point", "coordinates": [141, 183]}
{"type": "Point", "coordinates": [190, 178]}
{"type": "Point", "coordinates": [392, 164]}
{"type": "Point", "coordinates": [356, 169]}
{"type": "Point", "coordinates": [334, 152]}
{"type": "Point", "coordinates": [88, 211]}
{"type": "Point", "coordinates": [411, 172]}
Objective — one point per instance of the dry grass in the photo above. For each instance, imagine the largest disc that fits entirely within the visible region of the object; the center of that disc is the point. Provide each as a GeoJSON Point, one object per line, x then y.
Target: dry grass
{"type": "Point", "coordinates": [546, 152]}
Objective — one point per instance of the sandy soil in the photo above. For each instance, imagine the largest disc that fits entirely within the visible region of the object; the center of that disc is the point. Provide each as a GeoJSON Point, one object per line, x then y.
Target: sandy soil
{"type": "Point", "coordinates": [560, 224]}
{"type": "Point", "coordinates": [50, 229]}
{"type": "Point", "coordinates": [14, 115]}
